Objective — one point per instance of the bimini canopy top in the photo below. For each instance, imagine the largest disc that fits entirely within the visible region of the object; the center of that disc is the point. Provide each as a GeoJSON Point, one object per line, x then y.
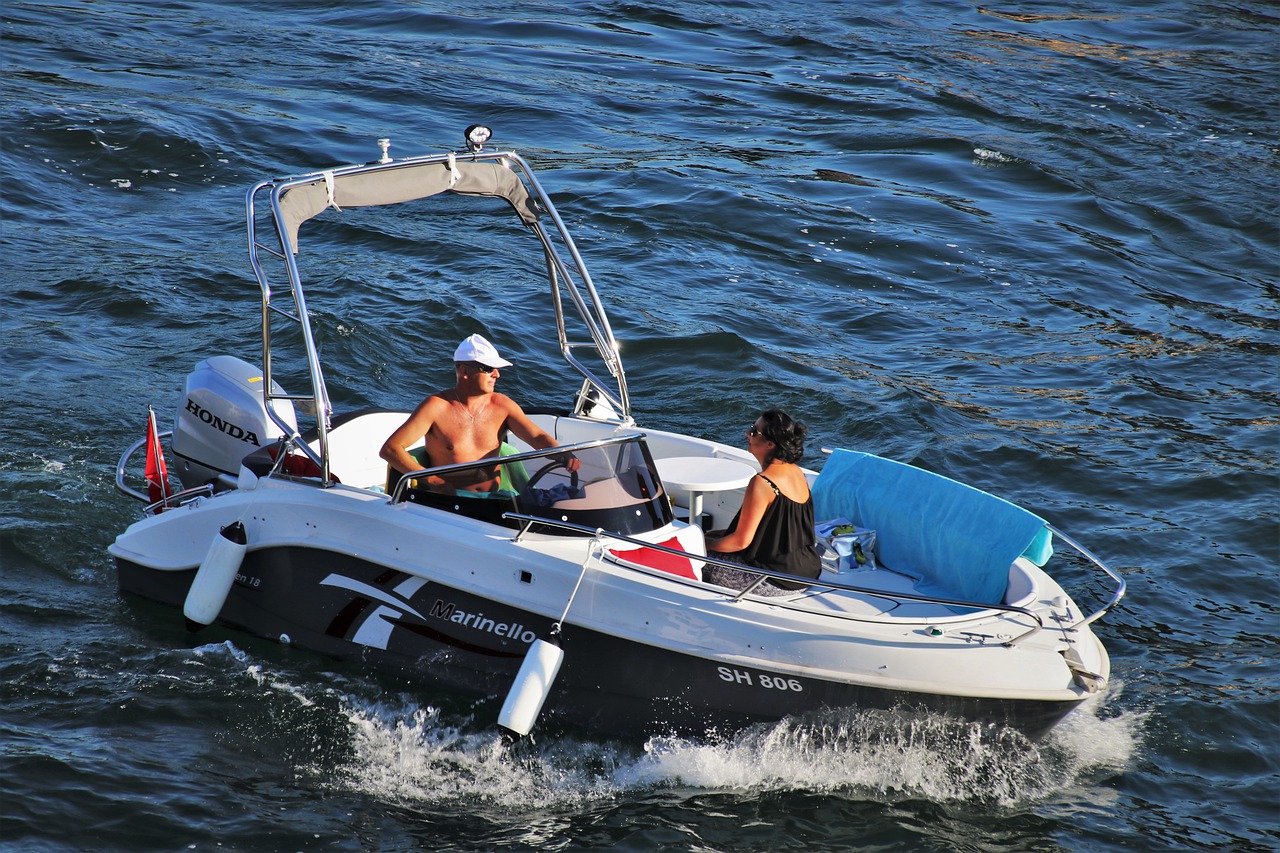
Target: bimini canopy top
{"type": "Point", "coordinates": [278, 207]}
{"type": "Point", "coordinates": [400, 183]}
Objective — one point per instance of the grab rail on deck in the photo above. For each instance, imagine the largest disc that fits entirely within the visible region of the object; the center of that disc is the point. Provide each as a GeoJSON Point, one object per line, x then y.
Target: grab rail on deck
{"type": "Point", "coordinates": [124, 463]}
{"type": "Point", "coordinates": [172, 500]}
{"type": "Point", "coordinates": [224, 481]}
{"type": "Point", "coordinates": [1088, 555]}
{"type": "Point", "coordinates": [529, 520]}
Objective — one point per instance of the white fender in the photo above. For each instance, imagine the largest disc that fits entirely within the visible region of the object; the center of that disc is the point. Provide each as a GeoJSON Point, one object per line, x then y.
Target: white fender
{"type": "Point", "coordinates": [214, 577]}
{"type": "Point", "coordinates": [530, 689]}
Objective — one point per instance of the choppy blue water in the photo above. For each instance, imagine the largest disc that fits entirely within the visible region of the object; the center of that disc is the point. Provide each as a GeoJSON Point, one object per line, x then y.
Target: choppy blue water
{"type": "Point", "coordinates": [1031, 246]}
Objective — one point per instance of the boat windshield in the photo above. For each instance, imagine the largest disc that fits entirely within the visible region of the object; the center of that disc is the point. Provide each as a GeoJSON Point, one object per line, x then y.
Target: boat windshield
{"type": "Point", "coordinates": [615, 487]}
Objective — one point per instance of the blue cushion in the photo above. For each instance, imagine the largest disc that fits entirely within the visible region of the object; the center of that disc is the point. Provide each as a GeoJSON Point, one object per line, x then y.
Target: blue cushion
{"type": "Point", "coordinates": [954, 540]}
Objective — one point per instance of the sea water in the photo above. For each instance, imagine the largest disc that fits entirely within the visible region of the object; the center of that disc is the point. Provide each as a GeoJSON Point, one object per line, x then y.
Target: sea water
{"type": "Point", "coordinates": [1031, 247]}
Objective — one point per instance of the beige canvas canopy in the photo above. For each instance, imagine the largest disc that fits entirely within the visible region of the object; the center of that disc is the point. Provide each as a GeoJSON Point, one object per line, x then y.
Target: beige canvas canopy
{"type": "Point", "coordinates": [397, 184]}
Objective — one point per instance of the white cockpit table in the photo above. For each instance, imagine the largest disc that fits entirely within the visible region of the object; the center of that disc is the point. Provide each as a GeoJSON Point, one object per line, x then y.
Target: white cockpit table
{"type": "Point", "coordinates": [699, 475]}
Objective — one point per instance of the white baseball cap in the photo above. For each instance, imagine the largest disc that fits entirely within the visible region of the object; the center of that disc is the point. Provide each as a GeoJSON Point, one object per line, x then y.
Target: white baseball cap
{"type": "Point", "coordinates": [477, 348]}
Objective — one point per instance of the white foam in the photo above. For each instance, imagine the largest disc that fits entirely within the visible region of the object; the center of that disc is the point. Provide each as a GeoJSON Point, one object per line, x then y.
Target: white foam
{"type": "Point", "coordinates": [1096, 740]}
{"type": "Point", "coordinates": [405, 753]}
{"type": "Point", "coordinates": [418, 758]}
{"type": "Point", "coordinates": [226, 647]}
{"type": "Point", "coordinates": [991, 156]}
{"type": "Point", "coordinates": [882, 756]}
{"type": "Point", "coordinates": [411, 754]}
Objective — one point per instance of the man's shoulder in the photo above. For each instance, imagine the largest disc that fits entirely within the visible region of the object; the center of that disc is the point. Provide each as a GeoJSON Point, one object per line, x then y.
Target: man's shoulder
{"type": "Point", "coordinates": [502, 401]}
{"type": "Point", "coordinates": [435, 403]}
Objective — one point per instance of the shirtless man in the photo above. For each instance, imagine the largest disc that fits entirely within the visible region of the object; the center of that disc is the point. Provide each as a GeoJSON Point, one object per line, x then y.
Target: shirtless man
{"type": "Point", "coordinates": [463, 423]}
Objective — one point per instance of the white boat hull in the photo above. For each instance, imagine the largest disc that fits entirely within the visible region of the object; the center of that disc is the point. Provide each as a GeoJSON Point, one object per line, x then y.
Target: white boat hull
{"type": "Point", "coordinates": [456, 603]}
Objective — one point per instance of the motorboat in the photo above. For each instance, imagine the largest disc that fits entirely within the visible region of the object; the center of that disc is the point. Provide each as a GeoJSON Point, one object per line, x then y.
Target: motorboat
{"type": "Point", "coordinates": [575, 595]}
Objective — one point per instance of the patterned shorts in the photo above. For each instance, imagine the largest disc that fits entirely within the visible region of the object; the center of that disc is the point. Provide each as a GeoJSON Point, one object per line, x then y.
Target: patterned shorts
{"type": "Point", "coordinates": [740, 579]}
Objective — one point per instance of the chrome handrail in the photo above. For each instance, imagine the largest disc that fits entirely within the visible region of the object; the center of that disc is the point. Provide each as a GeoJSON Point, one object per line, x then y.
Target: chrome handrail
{"type": "Point", "coordinates": [179, 498]}
{"type": "Point", "coordinates": [173, 499]}
{"type": "Point", "coordinates": [1120, 588]}
{"type": "Point", "coordinates": [599, 532]}
{"type": "Point", "coordinates": [397, 494]}
{"type": "Point", "coordinates": [124, 463]}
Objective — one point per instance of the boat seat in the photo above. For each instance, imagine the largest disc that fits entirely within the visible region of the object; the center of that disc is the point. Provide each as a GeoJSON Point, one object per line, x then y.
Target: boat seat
{"type": "Point", "coordinates": [954, 540]}
{"type": "Point", "coordinates": [648, 558]}
{"type": "Point", "coordinates": [354, 440]}
{"type": "Point", "coordinates": [1022, 589]}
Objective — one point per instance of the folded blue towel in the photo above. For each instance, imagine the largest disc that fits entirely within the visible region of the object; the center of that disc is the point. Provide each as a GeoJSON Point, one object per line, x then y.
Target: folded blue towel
{"type": "Point", "coordinates": [954, 540]}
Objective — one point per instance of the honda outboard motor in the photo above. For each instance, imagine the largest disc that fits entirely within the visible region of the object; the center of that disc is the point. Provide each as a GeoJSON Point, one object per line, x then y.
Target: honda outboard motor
{"type": "Point", "coordinates": [222, 419]}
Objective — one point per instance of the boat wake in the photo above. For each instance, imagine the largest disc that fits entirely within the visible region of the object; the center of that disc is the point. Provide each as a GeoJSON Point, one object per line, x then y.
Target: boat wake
{"type": "Point", "coordinates": [349, 736]}
{"type": "Point", "coordinates": [886, 757]}
{"type": "Point", "coordinates": [412, 754]}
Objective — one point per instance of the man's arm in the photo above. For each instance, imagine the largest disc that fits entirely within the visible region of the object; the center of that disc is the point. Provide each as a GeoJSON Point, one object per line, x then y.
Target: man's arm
{"type": "Point", "coordinates": [532, 434]}
{"type": "Point", "coordinates": [396, 448]}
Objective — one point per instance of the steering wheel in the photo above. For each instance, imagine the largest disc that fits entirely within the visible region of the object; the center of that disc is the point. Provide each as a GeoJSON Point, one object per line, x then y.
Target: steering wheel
{"type": "Point", "coordinates": [548, 468]}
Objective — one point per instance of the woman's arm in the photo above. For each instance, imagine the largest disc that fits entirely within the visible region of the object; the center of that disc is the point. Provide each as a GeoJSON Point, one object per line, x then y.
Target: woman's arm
{"type": "Point", "coordinates": [757, 500]}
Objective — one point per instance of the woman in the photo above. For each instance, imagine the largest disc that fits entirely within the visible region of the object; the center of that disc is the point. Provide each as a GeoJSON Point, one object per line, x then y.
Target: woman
{"type": "Point", "coordinates": [774, 528]}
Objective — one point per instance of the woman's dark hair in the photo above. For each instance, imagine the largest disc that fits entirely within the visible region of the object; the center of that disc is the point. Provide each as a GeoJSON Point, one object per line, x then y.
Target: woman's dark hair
{"type": "Point", "coordinates": [786, 433]}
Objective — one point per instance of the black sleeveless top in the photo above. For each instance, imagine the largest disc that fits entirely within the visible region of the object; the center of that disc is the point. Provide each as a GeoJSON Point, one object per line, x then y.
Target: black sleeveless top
{"type": "Point", "coordinates": [784, 541]}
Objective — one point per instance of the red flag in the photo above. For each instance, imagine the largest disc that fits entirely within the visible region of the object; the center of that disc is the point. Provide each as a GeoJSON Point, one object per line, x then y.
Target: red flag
{"type": "Point", "coordinates": [157, 472]}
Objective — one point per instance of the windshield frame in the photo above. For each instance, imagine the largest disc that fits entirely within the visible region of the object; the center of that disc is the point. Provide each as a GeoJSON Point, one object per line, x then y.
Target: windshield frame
{"type": "Point", "coordinates": [648, 511]}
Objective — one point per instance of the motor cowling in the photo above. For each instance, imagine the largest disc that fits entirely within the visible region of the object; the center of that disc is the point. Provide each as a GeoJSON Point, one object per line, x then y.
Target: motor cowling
{"type": "Point", "coordinates": [222, 419]}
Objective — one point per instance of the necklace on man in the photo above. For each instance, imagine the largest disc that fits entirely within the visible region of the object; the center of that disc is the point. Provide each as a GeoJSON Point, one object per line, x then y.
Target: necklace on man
{"type": "Point", "coordinates": [467, 409]}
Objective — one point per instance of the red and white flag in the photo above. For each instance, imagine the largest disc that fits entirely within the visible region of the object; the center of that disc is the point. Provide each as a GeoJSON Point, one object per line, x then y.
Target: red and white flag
{"type": "Point", "coordinates": [157, 472]}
